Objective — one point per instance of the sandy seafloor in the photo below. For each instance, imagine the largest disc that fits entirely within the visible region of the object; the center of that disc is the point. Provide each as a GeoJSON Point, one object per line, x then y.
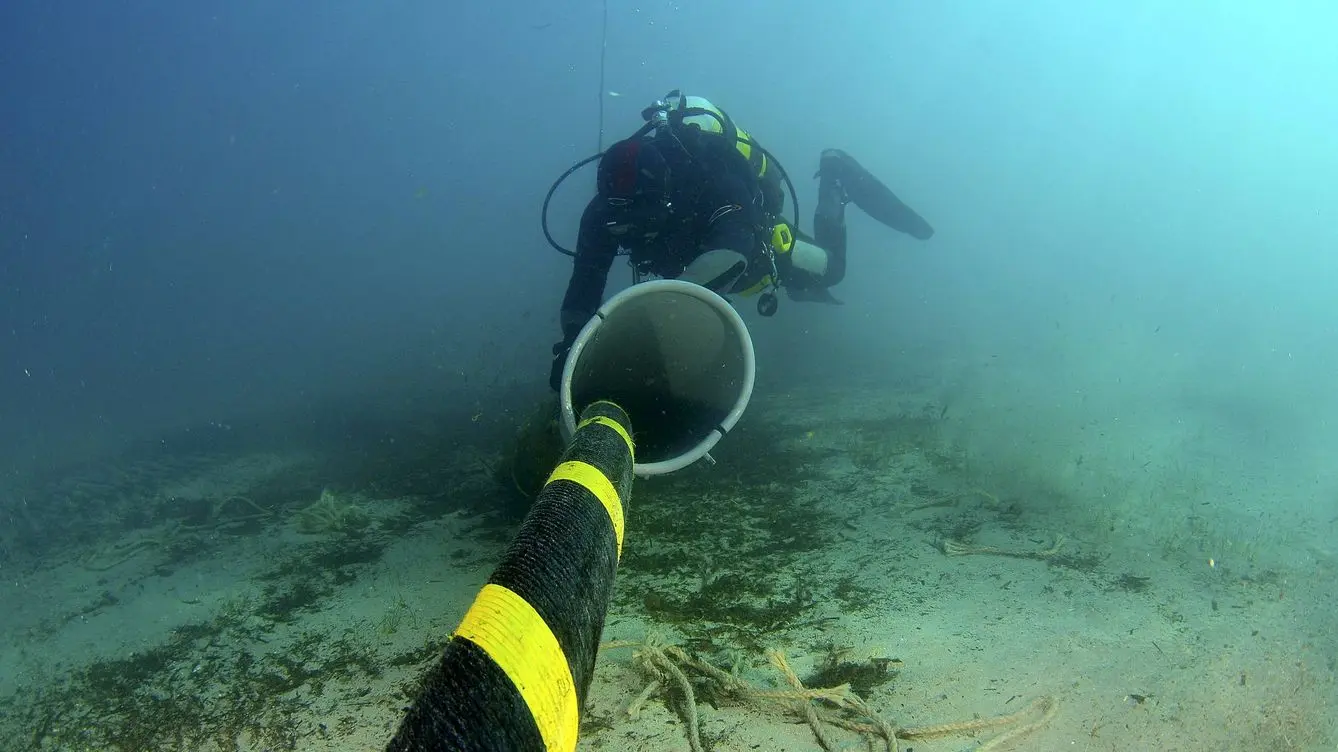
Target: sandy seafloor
{"type": "Point", "coordinates": [249, 624]}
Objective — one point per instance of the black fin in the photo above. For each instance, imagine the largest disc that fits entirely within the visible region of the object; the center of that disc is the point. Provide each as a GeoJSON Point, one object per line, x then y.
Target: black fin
{"type": "Point", "coordinates": [813, 295]}
{"type": "Point", "coordinates": [870, 195]}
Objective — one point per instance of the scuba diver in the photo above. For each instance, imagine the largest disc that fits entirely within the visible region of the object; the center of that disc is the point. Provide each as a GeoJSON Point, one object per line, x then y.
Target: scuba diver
{"type": "Point", "coordinates": [692, 196]}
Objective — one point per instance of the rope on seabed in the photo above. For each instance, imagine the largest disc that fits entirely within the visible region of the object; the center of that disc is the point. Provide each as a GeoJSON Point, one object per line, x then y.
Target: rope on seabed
{"type": "Point", "coordinates": [666, 669]}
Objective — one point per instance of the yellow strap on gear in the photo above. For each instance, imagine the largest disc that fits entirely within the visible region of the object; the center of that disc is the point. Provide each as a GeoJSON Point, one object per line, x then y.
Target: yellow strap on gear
{"type": "Point", "coordinates": [761, 285]}
{"type": "Point", "coordinates": [517, 639]}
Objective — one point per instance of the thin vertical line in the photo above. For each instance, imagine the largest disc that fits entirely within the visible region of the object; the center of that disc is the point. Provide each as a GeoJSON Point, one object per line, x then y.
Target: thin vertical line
{"type": "Point", "coordinates": [603, 54]}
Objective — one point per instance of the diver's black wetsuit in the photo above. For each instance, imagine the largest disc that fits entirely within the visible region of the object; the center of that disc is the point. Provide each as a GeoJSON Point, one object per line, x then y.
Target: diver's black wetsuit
{"type": "Point", "coordinates": [713, 199]}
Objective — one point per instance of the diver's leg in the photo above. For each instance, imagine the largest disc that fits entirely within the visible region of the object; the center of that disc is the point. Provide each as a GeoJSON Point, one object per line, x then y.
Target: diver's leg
{"type": "Point", "coordinates": [869, 194]}
{"type": "Point", "coordinates": [817, 262]}
{"type": "Point", "coordinates": [717, 270]}
{"type": "Point", "coordinates": [829, 221]}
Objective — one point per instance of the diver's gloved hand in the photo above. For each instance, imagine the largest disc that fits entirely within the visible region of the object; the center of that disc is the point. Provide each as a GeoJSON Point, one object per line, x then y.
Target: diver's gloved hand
{"type": "Point", "coordinates": [560, 350]}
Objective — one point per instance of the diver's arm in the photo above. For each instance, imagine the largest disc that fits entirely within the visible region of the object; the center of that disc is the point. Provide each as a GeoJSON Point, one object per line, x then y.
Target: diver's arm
{"type": "Point", "coordinates": [595, 250]}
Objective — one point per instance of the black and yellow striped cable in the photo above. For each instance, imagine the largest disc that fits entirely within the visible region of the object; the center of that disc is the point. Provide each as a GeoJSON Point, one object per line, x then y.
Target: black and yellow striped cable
{"type": "Point", "coordinates": [515, 673]}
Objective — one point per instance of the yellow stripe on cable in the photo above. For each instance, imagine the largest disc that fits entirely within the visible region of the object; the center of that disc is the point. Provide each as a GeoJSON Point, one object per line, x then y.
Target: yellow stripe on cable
{"type": "Point", "coordinates": [593, 480]}
{"type": "Point", "coordinates": [516, 638]}
{"type": "Point", "coordinates": [616, 426]}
